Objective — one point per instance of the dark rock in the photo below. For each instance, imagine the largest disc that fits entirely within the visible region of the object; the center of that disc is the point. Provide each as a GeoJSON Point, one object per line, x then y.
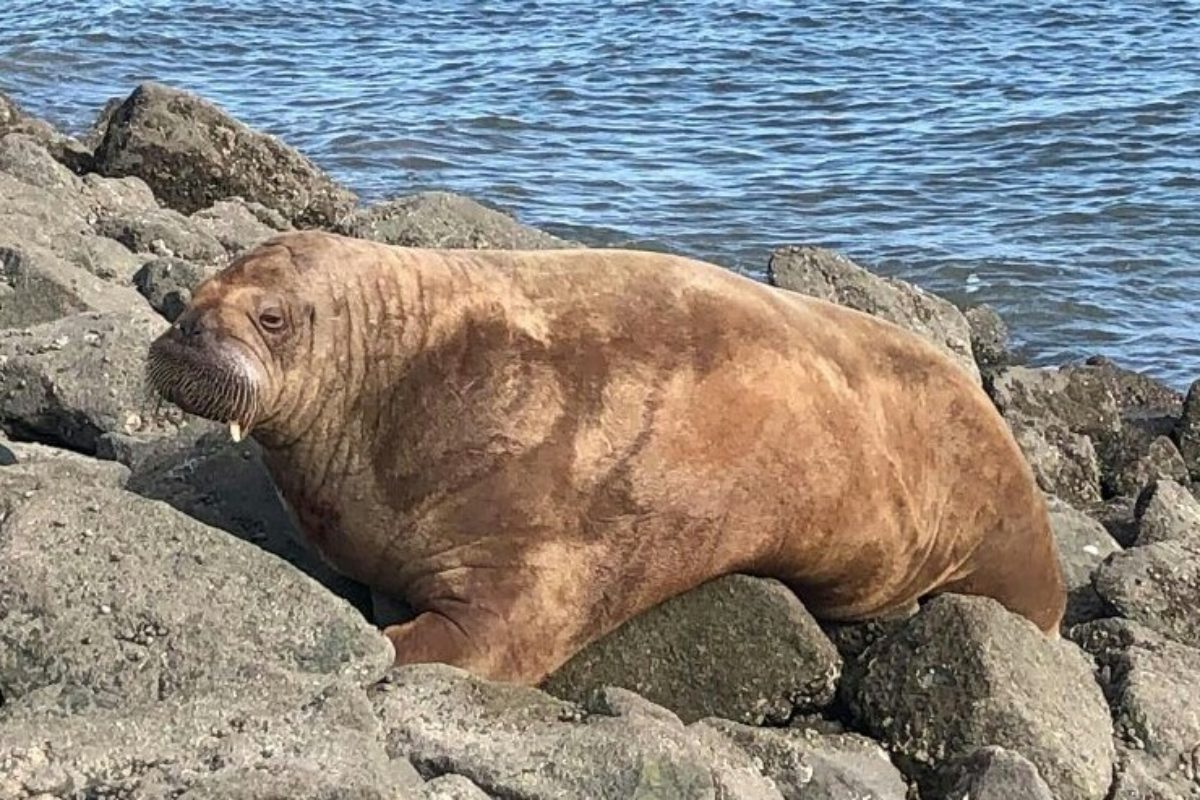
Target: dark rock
{"type": "Point", "coordinates": [451, 787]}
{"type": "Point", "coordinates": [1157, 585]}
{"type": "Point", "coordinates": [1078, 397]}
{"type": "Point", "coordinates": [445, 720]}
{"type": "Point", "coordinates": [1166, 511]}
{"type": "Point", "coordinates": [1161, 460]}
{"type": "Point", "coordinates": [806, 765]}
{"type": "Point", "coordinates": [1064, 464]}
{"type": "Point", "coordinates": [70, 381]}
{"type": "Point", "coordinates": [1151, 685]}
{"type": "Point", "coordinates": [192, 154]}
{"type": "Point", "coordinates": [238, 225]}
{"type": "Point", "coordinates": [737, 647]}
{"type": "Point", "coordinates": [1083, 545]}
{"type": "Point", "coordinates": [444, 220]}
{"type": "Point", "coordinates": [1136, 392]}
{"type": "Point", "coordinates": [989, 336]}
{"type": "Point", "coordinates": [167, 284]}
{"type": "Point", "coordinates": [1187, 433]}
{"type": "Point", "coordinates": [830, 276]}
{"type": "Point", "coordinates": [965, 673]}
{"type": "Point", "coordinates": [993, 773]}
{"type": "Point", "coordinates": [853, 638]}
{"type": "Point", "coordinates": [163, 232]}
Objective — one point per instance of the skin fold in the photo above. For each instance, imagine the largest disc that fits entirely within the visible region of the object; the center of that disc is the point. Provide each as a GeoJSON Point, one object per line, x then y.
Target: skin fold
{"type": "Point", "coordinates": [529, 448]}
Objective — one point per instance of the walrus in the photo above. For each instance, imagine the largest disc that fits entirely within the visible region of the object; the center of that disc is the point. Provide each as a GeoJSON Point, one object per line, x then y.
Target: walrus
{"type": "Point", "coordinates": [530, 448]}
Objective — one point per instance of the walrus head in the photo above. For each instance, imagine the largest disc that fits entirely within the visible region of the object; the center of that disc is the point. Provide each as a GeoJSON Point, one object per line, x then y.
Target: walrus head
{"type": "Point", "coordinates": [226, 358]}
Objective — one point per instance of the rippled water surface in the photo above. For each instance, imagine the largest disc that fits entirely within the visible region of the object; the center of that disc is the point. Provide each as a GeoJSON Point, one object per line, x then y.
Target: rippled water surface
{"type": "Point", "coordinates": [1041, 157]}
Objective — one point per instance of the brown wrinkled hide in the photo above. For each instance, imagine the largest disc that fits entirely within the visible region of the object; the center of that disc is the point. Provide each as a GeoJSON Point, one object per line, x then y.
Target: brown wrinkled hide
{"type": "Point", "coordinates": [532, 447]}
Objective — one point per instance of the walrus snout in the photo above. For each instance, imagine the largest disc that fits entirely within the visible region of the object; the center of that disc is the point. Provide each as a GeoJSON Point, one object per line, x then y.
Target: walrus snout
{"type": "Point", "coordinates": [197, 366]}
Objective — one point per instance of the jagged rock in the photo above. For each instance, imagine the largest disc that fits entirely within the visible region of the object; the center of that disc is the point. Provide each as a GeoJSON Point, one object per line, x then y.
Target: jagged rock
{"type": "Point", "coordinates": [1080, 398]}
{"type": "Point", "coordinates": [118, 196]}
{"type": "Point", "coordinates": [451, 787]}
{"type": "Point", "coordinates": [1083, 544]}
{"type": "Point", "coordinates": [1187, 433]}
{"type": "Point", "coordinates": [1161, 460]}
{"type": "Point", "coordinates": [806, 765]}
{"type": "Point", "coordinates": [736, 647]}
{"type": "Point", "coordinates": [831, 276]}
{"type": "Point", "coordinates": [1151, 685]}
{"type": "Point", "coordinates": [444, 220]}
{"type": "Point", "coordinates": [163, 232]}
{"type": "Point", "coordinates": [313, 739]}
{"type": "Point", "coordinates": [167, 284]}
{"type": "Point", "coordinates": [70, 381]}
{"type": "Point", "coordinates": [445, 720]}
{"type": "Point", "coordinates": [238, 225]}
{"type": "Point", "coordinates": [192, 154]}
{"type": "Point", "coordinates": [36, 286]}
{"type": "Point", "coordinates": [40, 459]}
{"type": "Point", "coordinates": [1135, 392]}
{"type": "Point", "coordinates": [993, 773]}
{"type": "Point", "coordinates": [65, 149]}
{"type": "Point", "coordinates": [112, 601]}
{"type": "Point", "coordinates": [965, 673]}
{"type": "Point", "coordinates": [989, 336]}
{"type": "Point", "coordinates": [1157, 585]}
{"type": "Point", "coordinates": [1064, 464]}
{"type": "Point", "coordinates": [26, 159]}
{"type": "Point", "coordinates": [1166, 511]}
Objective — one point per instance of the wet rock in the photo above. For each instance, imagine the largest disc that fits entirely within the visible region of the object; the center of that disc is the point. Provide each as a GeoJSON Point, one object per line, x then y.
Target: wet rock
{"type": "Point", "coordinates": [1064, 464]}
{"type": "Point", "coordinates": [70, 381]}
{"type": "Point", "coordinates": [292, 738]}
{"type": "Point", "coordinates": [989, 336]}
{"type": "Point", "coordinates": [1166, 511]}
{"type": "Point", "coordinates": [192, 154]}
{"type": "Point", "coordinates": [167, 284]}
{"type": "Point", "coordinates": [993, 773]}
{"type": "Point", "coordinates": [736, 647]}
{"type": "Point", "coordinates": [1151, 685]}
{"type": "Point", "coordinates": [1187, 433]}
{"type": "Point", "coordinates": [828, 275]}
{"type": "Point", "coordinates": [965, 673]}
{"type": "Point", "coordinates": [113, 601]}
{"type": "Point", "coordinates": [1083, 545]}
{"type": "Point", "coordinates": [1157, 585]}
{"type": "Point", "coordinates": [445, 720]}
{"type": "Point", "coordinates": [806, 765]}
{"type": "Point", "coordinates": [1161, 460]}
{"type": "Point", "coordinates": [238, 225]}
{"type": "Point", "coordinates": [445, 220]}
{"type": "Point", "coordinates": [36, 286]}
{"type": "Point", "coordinates": [451, 787]}
{"type": "Point", "coordinates": [163, 232]}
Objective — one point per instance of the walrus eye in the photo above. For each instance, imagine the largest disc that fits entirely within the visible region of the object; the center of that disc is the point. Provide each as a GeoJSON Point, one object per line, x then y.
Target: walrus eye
{"type": "Point", "coordinates": [271, 320]}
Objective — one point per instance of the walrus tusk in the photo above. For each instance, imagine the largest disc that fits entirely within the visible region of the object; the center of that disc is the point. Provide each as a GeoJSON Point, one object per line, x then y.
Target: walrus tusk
{"type": "Point", "coordinates": [235, 430]}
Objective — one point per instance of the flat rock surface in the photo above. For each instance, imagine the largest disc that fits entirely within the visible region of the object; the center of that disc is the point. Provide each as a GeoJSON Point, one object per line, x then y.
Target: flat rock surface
{"type": "Point", "coordinates": [738, 647]}
{"type": "Point", "coordinates": [1167, 511]}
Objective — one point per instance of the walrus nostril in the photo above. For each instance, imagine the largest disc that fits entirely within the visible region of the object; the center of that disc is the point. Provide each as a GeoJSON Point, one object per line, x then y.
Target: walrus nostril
{"type": "Point", "coordinates": [190, 324]}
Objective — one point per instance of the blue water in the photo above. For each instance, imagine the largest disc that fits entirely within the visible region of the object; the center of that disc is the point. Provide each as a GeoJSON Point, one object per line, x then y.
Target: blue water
{"type": "Point", "coordinates": [1042, 157]}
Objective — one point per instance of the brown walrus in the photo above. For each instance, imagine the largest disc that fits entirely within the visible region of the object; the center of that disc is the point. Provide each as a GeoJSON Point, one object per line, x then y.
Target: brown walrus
{"type": "Point", "coordinates": [532, 447]}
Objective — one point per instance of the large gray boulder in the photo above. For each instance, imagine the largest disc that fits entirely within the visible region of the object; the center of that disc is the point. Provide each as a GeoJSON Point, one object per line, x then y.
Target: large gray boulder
{"type": "Point", "coordinates": [1157, 585]}
{"type": "Point", "coordinates": [736, 647]}
{"type": "Point", "coordinates": [444, 220]}
{"type": "Point", "coordinates": [828, 275]}
{"type": "Point", "coordinates": [964, 673]}
{"type": "Point", "coordinates": [1083, 545]}
{"type": "Point", "coordinates": [1166, 511]}
{"type": "Point", "coordinates": [69, 151]}
{"type": "Point", "coordinates": [993, 773]}
{"type": "Point", "coordinates": [37, 286]}
{"type": "Point", "coordinates": [192, 154]}
{"type": "Point", "coordinates": [1187, 433]}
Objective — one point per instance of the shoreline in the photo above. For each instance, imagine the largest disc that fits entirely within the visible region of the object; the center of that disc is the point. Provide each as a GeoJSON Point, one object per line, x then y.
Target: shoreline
{"type": "Point", "coordinates": [149, 573]}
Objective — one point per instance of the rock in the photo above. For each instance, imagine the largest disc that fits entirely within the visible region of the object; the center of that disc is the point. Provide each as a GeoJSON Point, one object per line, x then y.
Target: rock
{"type": "Point", "coordinates": [26, 159]}
{"type": "Point", "coordinates": [445, 720]}
{"type": "Point", "coordinates": [965, 673]}
{"type": "Point", "coordinates": [1166, 511]}
{"type": "Point", "coordinates": [1064, 464]}
{"type": "Point", "coordinates": [1083, 544]}
{"type": "Point", "coordinates": [70, 381]}
{"type": "Point", "coordinates": [163, 232]}
{"type": "Point", "coordinates": [806, 765]}
{"type": "Point", "coordinates": [442, 219]}
{"type": "Point", "coordinates": [989, 336]}
{"type": "Point", "coordinates": [1135, 392]}
{"type": "Point", "coordinates": [294, 739]}
{"type": "Point", "coordinates": [36, 287]}
{"type": "Point", "coordinates": [1157, 585]}
{"type": "Point", "coordinates": [192, 154]}
{"type": "Point", "coordinates": [238, 225]}
{"type": "Point", "coordinates": [1078, 397]}
{"type": "Point", "coordinates": [830, 276]}
{"type": "Point", "coordinates": [117, 197]}
{"type": "Point", "coordinates": [112, 601]}
{"type": "Point", "coordinates": [1187, 433]}
{"type": "Point", "coordinates": [1132, 781]}
{"type": "Point", "coordinates": [1162, 460]}
{"type": "Point", "coordinates": [39, 459]}
{"type": "Point", "coordinates": [452, 787]}
{"type": "Point", "coordinates": [993, 773]}
{"type": "Point", "coordinates": [1151, 684]}
{"type": "Point", "coordinates": [736, 647]}
{"type": "Point", "coordinates": [68, 151]}
{"type": "Point", "coordinates": [167, 284]}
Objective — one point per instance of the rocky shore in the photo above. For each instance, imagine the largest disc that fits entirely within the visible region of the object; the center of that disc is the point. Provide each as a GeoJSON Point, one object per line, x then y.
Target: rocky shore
{"type": "Point", "coordinates": [162, 634]}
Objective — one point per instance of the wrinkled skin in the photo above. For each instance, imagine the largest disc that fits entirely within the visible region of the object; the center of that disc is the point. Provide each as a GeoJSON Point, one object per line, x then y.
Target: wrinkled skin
{"type": "Point", "coordinates": [529, 448]}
